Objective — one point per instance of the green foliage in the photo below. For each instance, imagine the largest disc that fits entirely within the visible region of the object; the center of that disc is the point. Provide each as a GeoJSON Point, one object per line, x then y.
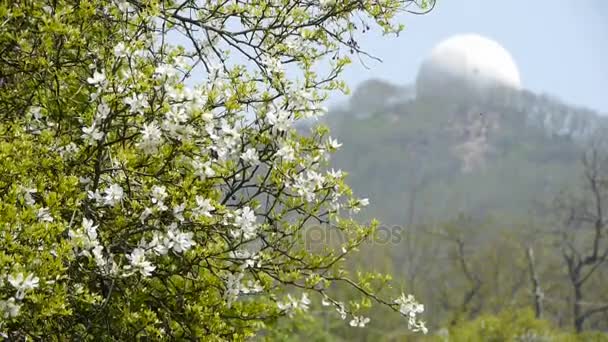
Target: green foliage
{"type": "Point", "coordinates": [507, 326]}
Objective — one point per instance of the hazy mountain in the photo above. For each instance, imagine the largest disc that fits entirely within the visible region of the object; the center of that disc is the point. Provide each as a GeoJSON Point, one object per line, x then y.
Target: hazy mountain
{"type": "Point", "coordinates": [431, 158]}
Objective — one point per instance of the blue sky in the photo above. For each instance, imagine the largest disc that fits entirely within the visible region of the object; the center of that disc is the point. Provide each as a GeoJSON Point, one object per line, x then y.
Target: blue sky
{"type": "Point", "coordinates": [560, 46]}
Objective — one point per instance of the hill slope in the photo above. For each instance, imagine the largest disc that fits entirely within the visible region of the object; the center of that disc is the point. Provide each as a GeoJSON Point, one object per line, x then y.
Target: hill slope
{"type": "Point", "coordinates": [427, 159]}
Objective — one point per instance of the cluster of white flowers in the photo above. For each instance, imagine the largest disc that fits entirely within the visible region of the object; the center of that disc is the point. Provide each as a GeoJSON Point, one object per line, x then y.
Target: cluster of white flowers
{"type": "Point", "coordinates": [103, 111]}
{"type": "Point", "coordinates": [174, 239]}
{"type": "Point", "coordinates": [178, 212]}
{"type": "Point", "coordinates": [139, 263]}
{"type": "Point", "coordinates": [280, 120]}
{"type": "Point", "coordinates": [245, 222]}
{"type": "Point", "coordinates": [22, 284]}
{"type": "Point", "coordinates": [272, 64]}
{"type": "Point", "coordinates": [292, 305]}
{"type": "Point", "coordinates": [225, 140]}
{"type": "Point", "coordinates": [234, 287]}
{"type": "Point", "coordinates": [202, 169]}
{"type": "Point", "coordinates": [409, 307]}
{"type": "Point", "coordinates": [307, 183]}
{"type": "Point", "coordinates": [203, 207]}
{"type": "Point", "coordinates": [247, 258]}
{"type": "Point", "coordinates": [159, 193]}
{"type": "Point", "coordinates": [98, 78]}
{"type": "Point", "coordinates": [333, 144]}
{"type": "Point", "coordinates": [10, 308]}
{"type": "Point", "coordinates": [250, 156]}
{"type": "Point", "coordinates": [136, 102]}
{"type": "Point", "coordinates": [165, 70]}
{"type": "Point", "coordinates": [359, 321]}
{"type": "Point", "coordinates": [341, 309]}
{"type": "Point", "coordinates": [151, 138]}
{"type": "Point", "coordinates": [287, 153]}
{"type": "Point", "coordinates": [85, 239]}
{"type": "Point", "coordinates": [120, 50]}
{"type": "Point", "coordinates": [304, 102]}
{"type": "Point", "coordinates": [44, 215]}
{"type": "Point", "coordinates": [174, 124]}
{"type": "Point", "coordinates": [86, 235]}
{"type": "Point", "coordinates": [179, 241]}
{"type": "Point", "coordinates": [91, 134]}
{"type": "Point", "coordinates": [355, 205]}
{"type": "Point", "coordinates": [112, 195]}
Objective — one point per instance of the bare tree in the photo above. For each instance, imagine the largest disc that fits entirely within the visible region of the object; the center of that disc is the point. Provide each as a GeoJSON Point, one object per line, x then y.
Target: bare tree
{"type": "Point", "coordinates": [537, 290]}
{"type": "Point", "coordinates": [582, 236]}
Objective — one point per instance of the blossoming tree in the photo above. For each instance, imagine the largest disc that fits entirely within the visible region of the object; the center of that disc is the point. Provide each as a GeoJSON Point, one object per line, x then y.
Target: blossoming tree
{"type": "Point", "coordinates": [152, 184]}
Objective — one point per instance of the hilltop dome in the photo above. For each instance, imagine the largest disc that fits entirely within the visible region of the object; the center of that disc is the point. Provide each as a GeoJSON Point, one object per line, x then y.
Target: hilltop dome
{"type": "Point", "coordinates": [467, 64]}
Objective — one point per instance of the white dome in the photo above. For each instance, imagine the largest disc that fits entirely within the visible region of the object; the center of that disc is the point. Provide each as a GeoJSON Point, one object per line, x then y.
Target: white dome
{"type": "Point", "coordinates": [467, 62]}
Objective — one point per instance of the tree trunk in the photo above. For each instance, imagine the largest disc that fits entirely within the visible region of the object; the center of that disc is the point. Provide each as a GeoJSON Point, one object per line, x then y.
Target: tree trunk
{"type": "Point", "coordinates": [579, 319]}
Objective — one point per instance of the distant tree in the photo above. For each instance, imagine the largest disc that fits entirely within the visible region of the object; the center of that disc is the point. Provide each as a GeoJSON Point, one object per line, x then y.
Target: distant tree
{"type": "Point", "coordinates": [583, 239]}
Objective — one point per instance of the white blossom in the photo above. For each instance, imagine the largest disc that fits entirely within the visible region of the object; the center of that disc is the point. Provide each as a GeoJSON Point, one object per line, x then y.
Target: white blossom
{"type": "Point", "coordinates": [91, 134]}
{"type": "Point", "coordinates": [159, 193]}
{"type": "Point", "coordinates": [90, 228]}
{"type": "Point", "coordinates": [203, 207]}
{"type": "Point", "coordinates": [178, 212]}
{"type": "Point", "coordinates": [86, 236]}
{"type": "Point", "coordinates": [180, 241]}
{"type": "Point", "coordinates": [23, 283]}
{"type": "Point", "coordinates": [245, 221]}
{"type": "Point", "coordinates": [44, 215]}
{"type": "Point", "coordinates": [333, 144]}
{"type": "Point", "coordinates": [291, 305]}
{"type": "Point", "coordinates": [341, 310]}
{"type": "Point", "coordinates": [335, 174]}
{"type": "Point", "coordinates": [138, 262]}
{"type": "Point", "coordinates": [249, 259]}
{"type": "Point", "coordinates": [273, 65]}
{"type": "Point", "coordinates": [160, 244]}
{"type": "Point", "coordinates": [250, 156]}
{"type": "Point", "coordinates": [9, 308]}
{"type": "Point", "coordinates": [359, 321]}
{"type": "Point", "coordinates": [202, 170]}
{"type": "Point", "coordinates": [113, 195]}
{"type": "Point", "coordinates": [409, 307]}
{"type": "Point", "coordinates": [165, 70]}
{"type": "Point", "coordinates": [279, 120]}
{"type": "Point", "coordinates": [123, 5]}
{"type": "Point", "coordinates": [120, 50]}
{"type": "Point", "coordinates": [95, 196]}
{"type": "Point", "coordinates": [98, 255]}
{"type": "Point", "coordinates": [233, 287]}
{"type": "Point", "coordinates": [103, 110]}
{"type": "Point", "coordinates": [36, 112]}
{"type": "Point", "coordinates": [145, 214]}
{"type": "Point", "coordinates": [307, 183]}
{"type": "Point", "coordinates": [136, 102]}
{"type": "Point", "coordinates": [98, 78]}
{"type": "Point", "coordinates": [325, 302]}
{"type": "Point", "coordinates": [252, 287]}
{"type": "Point", "coordinates": [151, 138]}
{"type": "Point", "coordinates": [327, 3]}
{"type": "Point", "coordinates": [287, 153]}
